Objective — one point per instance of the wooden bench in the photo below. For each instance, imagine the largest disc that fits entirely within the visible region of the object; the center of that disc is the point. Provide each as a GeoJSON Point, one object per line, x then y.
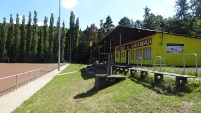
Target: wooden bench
{"type": "Point", "coordinates": [143, 72]}
{"type": "Point", "coordinates": [104, 80]}
{"type": "Point", "coordinates": [120, 69]}
{"type": "Point", "coordinates": [180, 80]}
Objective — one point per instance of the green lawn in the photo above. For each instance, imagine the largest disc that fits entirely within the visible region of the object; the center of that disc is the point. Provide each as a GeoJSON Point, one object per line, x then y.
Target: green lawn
{"type": "Point", "coordinates": [75, 93]}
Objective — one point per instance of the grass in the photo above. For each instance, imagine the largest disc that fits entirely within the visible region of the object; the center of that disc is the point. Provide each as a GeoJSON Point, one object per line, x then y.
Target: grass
{"type": "Point", "coordinates": [75, 92]}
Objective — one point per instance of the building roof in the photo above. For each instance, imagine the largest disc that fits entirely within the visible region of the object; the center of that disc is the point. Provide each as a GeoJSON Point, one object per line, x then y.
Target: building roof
{"type": "Point", "coordinates": [128, 34]}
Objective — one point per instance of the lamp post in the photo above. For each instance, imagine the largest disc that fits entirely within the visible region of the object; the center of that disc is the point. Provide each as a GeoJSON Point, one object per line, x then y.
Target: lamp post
{"type": "Point", "coordinates": [162, 26]}
{"type": "Point", "coordinates": [59, 39]}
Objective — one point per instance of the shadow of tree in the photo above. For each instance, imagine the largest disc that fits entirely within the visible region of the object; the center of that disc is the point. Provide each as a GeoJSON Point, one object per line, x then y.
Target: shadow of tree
{"type": "Point", "coordinates": [89, 93]}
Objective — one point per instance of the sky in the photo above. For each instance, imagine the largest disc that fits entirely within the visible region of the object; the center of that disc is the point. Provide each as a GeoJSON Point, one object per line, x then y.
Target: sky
{"type": "Point", "coordinates": [88, 11]}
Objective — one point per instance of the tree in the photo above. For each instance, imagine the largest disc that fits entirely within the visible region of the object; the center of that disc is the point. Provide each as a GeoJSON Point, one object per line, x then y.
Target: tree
{"type": "Point", "coordinates": [182, 9]}
{"type": "Point", "coordinates": [195, 6]}
{"type": "Point", "coordinates": [23, 40]}
{"type": "Point", "coordinates": [63, 36]}
{"type": "Point", "coordinates": [10, 38]}
{"type": "Point", "coordinates": [40, 48]}
{"type": "Point", "coordinates": [108, 25]}
{"type": "Point", "coordinates": [28, 38]}
{"type": "Point", "coordinates": [137, 24]}
{"type": "Point", "coordinates": [33, 49]}
{"type": "Point", "coordinates": [196, 28]}
{"type": "Point", "coordinates": [125, 21]}
{"type": "Point", "coordinates": [3, 39]}
{"type": "Point", "coordinates": [101, 32]}
{"type": "Point", "coordinates": [146, 21]}
{"type": "Point", "coordinates": [16, 39]}
{"type": "Point", "coordinates": [71, 33]}
{"type": "Point", "coordinates": [45, 37]}
{"type": "Point", "coordinates": [51, 36]}
{"type": "Point", "coordinates": [77, 37]}
{"type": "Point", "coordinates": [55, 42]}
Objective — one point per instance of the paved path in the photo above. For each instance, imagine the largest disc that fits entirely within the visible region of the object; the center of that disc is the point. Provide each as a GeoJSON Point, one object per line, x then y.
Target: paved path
{"type": "Point", "coordinates": [14, 99]}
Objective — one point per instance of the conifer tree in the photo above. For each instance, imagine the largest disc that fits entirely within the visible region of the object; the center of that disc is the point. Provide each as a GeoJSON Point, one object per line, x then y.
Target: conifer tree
{"type": "Point", "coordinates": [23, 40]}
{"type": "Point", "coordinates": [33, 49]}
{"type": "Point", "coordinates": [16, 39]}
{"type": "Point", "coordinates": [10, 38]}
{"type": "Point", "coordinates": [3, 39]}
{"type": "Point", "coordinates": [28, 38]}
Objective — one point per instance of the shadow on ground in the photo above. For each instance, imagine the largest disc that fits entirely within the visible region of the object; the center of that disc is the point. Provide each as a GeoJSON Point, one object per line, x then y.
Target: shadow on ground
{"type": "Point", "coordinates": [85, 75]}
{"type": "Point", "coordinates": [89, 93]}
{"type": "Point", "coordinates": [166, 87]}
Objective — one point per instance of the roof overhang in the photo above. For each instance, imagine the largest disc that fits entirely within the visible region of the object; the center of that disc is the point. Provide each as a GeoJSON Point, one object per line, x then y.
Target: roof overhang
{"type": "Point", "coordinates": [127, 34]}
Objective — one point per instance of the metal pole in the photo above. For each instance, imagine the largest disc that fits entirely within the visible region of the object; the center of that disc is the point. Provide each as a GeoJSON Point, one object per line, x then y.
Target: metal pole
{"type": "Point", "coordinates": [110, 46]}
{"type": "Point", "coordinates": [120, 46]}
{"type": "Point", "coordinates": [59, 38]}
{"type": "Point", "coordinates": [99, 54]}
{"type": "Point", "coordinates": [70, 50]}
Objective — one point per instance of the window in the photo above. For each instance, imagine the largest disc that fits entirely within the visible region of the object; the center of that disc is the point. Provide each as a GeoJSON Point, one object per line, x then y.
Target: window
{"type": "Point", "coordinates": [132, 54]}
{"type": "Point", "coordinates": [147, 53]}
{"type": "Point", "coordinates": [117, 55]}
{"type": "Point", "coordinates": [139, 54]}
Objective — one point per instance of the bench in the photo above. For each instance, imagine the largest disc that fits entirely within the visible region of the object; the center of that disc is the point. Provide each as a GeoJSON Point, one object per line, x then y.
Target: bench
{"type": "Point", "coordinates": [104, 80]}
{"type": "Point", "coordinates": [120, 69]}
{"type": "Point", "coordinates": [180, 80]}
{"type": "Point", "coordinates": [143, 72]}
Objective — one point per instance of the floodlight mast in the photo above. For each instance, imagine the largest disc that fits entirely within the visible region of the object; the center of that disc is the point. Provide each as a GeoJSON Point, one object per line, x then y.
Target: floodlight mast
{"type": "Point", "coordinates": [59, 38]}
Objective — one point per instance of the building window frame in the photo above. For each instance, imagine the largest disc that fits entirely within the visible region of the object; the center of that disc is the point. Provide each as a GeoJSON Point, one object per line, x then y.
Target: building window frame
{"type": "Point", "coordinates": [138, 53]}
{"type": "Point", "coordinates": [147, 53]}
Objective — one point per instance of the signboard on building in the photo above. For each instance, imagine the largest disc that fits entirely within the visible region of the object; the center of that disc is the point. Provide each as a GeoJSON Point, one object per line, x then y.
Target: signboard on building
{"type": "Point", "coordinates": [175, 48]}
{"type": "Point", "coordinates": [136, 44]}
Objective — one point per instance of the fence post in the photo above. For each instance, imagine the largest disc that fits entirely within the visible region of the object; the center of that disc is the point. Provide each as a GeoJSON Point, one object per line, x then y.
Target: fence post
{"type": "Point", "coordinates": [41, 69]}
{"type": "Point", "coordinates": [28, 77]}
{"type": "Point", "coordinates": [16, 81]}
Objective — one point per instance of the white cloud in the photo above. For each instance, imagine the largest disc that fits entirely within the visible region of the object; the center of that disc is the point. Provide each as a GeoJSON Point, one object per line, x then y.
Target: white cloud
{"type": "Point", "coordinates": [40, 23]}
{"type": "Point", "coordinates": [159, 11]}
{"type": "Point", "coordinates": [69, 4]}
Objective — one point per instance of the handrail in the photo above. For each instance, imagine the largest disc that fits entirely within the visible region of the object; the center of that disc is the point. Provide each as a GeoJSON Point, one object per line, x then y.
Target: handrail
{"type": "Point", "coordinates": [196, 61]}
{"type": "Point", "coordinates": [155, 61]}
{"type": "Point", "coordinates": [16, 76]}
{"type": "Point", "coordinates": [139, 58]}
{"type": "Point", "coordinates": [20, 74]}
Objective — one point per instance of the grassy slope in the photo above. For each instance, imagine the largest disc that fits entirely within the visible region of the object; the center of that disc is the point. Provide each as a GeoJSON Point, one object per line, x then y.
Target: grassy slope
{"type": "Point", "coordinates": [75, 93]}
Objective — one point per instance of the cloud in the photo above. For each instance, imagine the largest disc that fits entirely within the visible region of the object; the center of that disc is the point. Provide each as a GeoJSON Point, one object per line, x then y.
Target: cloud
{"type": "Point", "coordinates": [69, 4]}
{"type": "Point", "coordinates": [40, 23]}
{"type": "Point", "coordinates": [159, 11]}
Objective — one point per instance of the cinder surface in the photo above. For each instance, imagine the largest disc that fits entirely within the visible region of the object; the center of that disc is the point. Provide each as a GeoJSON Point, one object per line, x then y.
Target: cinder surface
{"type": "Point", "coordinates": [14, 99]}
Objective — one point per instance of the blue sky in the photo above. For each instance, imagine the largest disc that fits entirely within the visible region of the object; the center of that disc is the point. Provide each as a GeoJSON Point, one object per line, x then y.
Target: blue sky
{"type": "Point", "coordinates": [88, 11]}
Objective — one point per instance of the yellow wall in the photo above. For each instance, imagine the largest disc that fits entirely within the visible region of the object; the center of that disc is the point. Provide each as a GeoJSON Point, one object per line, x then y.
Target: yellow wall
{"type": "Point", "coordinates": [159, 48]}
{"type": "Point", "coordinates": [191, 45]}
